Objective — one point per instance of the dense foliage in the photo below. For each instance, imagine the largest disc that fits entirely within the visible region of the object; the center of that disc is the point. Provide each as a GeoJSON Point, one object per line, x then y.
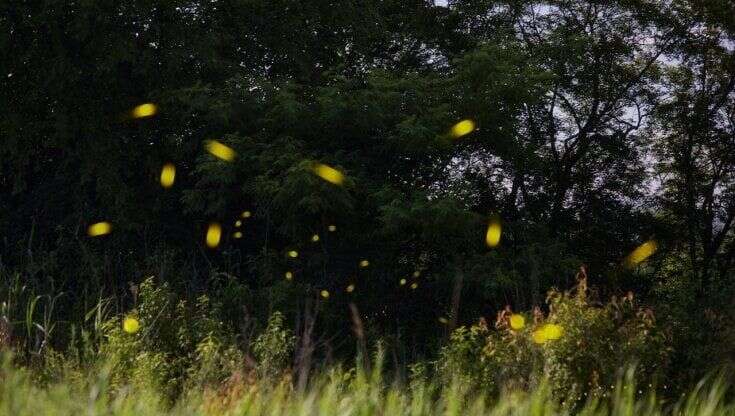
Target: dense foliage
{"type": "Point", "coordinates": [600, 125]}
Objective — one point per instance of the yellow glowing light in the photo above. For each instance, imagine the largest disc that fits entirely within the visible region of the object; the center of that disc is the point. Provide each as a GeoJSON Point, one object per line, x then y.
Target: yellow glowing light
{"type": "Point", "coordinates": [246, 214]}
{"type": "Point", "coordinates": [552, 331]}
{"type": "Point", "coordinates": [443, 320]}
{"type": "Point", "coordinates": [517, 322]}
{"type": "Point", "coordinates": [364, 263]}
{"type": "Point", "coordinates": [168, 174]}
{"type": "Point", "coordinates": [329, 174]}
{"type": "Point", "coordinates": [144, 110]}
{"type": "Point", "coordinates": [402, 282]}
{"type": "Point", "coordinates": [293, 254]}
{"type": "Point", "coordinates": [641, 253]}
{"type": "Point", "coordinates": [98, 229]}
{"type": "Point", "coordinates": [538, 336]}
{"type": "Point", "coordinates": [416, 273]}
{"type": "Point", "coordinates": [463, 128]}
{"type": "Point", "coordinates": [325, 294]}
{"type": "Point", "coordinates": [289, 275]}
{"type": "Point", "coordinates": [350, 289]}
{"type": "Point", "coordinates": [214, 233]}
{"type": "Point", "coordinates": [220, 150]}
{"type": "Point", "coordinates": [414, 286]}
{"type": "Point", "coordinates": [492, 237]}
{"type": "Point", "coordinates": [131, 325]}
{"type": "Point", "coordinates": [332, 228]}
{"type": "Point", "coordinates": [315, 238]}
{"type": "Point", "coordinates": [238, 223]}
{"type": "Point", "coordinates": [237, 235]}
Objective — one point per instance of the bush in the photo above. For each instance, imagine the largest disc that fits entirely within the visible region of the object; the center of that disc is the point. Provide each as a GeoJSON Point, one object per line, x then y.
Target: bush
{"type": "Point", "coordinates": [592, 345]}
{"type": "Point", "coordinates": [273, 348]}
{"type": "Point", "coordinates": [176, 344]}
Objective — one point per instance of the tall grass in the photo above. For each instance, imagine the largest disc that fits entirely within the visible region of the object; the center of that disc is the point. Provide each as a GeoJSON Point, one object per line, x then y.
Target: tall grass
{"type": "Point", "coordinates": [332, 392]}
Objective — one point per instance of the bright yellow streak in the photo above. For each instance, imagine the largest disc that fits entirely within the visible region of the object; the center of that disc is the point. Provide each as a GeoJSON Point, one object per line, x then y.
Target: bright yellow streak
{"type": "Point", "coordinates": [414, 286]}
{"type": "Point", "coordinates": [214, 233]}
{"type": "Point", "coordinates": [293, 254]}
{"type": "Point", "coordinates": [144, 110]}
{"type": "Point", "coordinates": [237, 235]}
{"type": "Point", "coordinates": [494, 229]}
{"type": "Point", "coordinates": [463, 128]}
{"type": "Point", "coordinates": [517, 322]}
{"type": "Point", "coordinates": [350, 288]}
{"type": "Point", "coordinates": [131, 325]}
{"type": "Point", "coordinates": [246, 214]}
{"type": "Point", "coordinates": [220, 150]}
{"type": "Point", "coordinates": [98, 229]}
{"type": "Point", "coordinates": [289, 275]}
{"type": "Point", "coordinates": [315, 238]}
{"type": "Point", "coordinates": [168, 174]}
{"type": "Point", "coordinates": [552, 331]}
{"type": "Point", "coordinates": [325, 294]}
{"type": "Point", "coordinates": [641, 253]}
{"type": "Point", "coordinates": [403, 282]}
{"type": "Point", "coordinates": [364, 263]}
{"type": "Point", "coordinates": [332, 228]}
{"type": "Point", "coordinates": [329, 174]}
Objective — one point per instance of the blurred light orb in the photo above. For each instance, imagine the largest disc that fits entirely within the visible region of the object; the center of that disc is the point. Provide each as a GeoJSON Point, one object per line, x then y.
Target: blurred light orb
{"type": "Point", "coordinates": [131, 325]}
{"type": "Point", "coordinates": [144, 110]}
{"type": "Point", "coordinates": [517, 322]}
{"type": "Point", "coordinates": [463, 128]}
{"type": "Point", "coordinates": [332, 228]}
{"type": "Point", "coordinates": [641, 253]}
{"type": "Point", "coordinates": [552, 331]}
{"type": "Point", "coordinates": [402, 282]}
{"type": "Point", "coordinates": [315, 238]}
{"type": "Point", "coordinates": [325, 294]}
{"type": "Point", "coordinates": [416, 273]}
{"type": "Point", "coordinates": [494, 230]}
{"type": "Point", "coordinates": [289, 275]}
{"type": "Point", "coordinates": [220, 150]}
{"type": "Point", "coordinates": [238, 223]}
{"type": "Point", "coordinates": [293, 254]}
{"type": "Point", "coordinates": [246, 214]}
{"type": "Point", "coordinates": [443, 320]}
{"type": "Point", "coordinates": [214, 234]}
{"type": "Point", "coordinates": [329, 174]}
{"type": "Point", "coordinates": [350, 288]}
{"type": "Point", "coordinates": [414, 286]}
{"type": "Point", "coordinates": [539, 337]}
{"type": "Point", "coordinates": [364, 263]}
{"type": "Point", "coordinates": [237, 235]}
{"type": "Point", "coordinates": [168, 174]}
{"type": "Point", "coordinates": [98, 229]}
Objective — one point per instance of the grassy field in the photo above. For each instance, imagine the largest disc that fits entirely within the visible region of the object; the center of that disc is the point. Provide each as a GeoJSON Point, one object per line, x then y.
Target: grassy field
{"type": "Point", "coordinates": [332, 392]}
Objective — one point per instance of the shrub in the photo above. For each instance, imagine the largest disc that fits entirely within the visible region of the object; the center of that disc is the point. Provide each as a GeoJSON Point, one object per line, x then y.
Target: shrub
{"type": "Point", "coordinates": [594, 343]}
{"type": "Point", "coordinates": [176, 344]}
{"type": "Point", "coordinates": [273, 348]}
